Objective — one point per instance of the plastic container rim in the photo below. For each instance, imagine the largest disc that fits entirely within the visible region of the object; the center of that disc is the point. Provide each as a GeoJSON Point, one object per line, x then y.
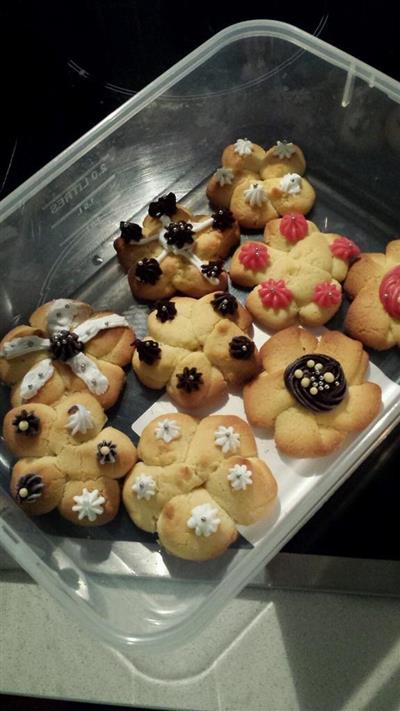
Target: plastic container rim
{"type": "Point", "coordinates": [233, 33]}
{"type": "Point", "coordinates": [193, 622]}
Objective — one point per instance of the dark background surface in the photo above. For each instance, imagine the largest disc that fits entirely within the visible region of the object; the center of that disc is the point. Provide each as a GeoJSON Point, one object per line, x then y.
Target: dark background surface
{"type": "Point", "coordinates": [65, 66]}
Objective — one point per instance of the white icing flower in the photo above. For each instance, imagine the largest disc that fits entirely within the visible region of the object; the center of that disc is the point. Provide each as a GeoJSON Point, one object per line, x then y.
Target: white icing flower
{"type": "Point", "coordinates": [224, 176]}
{"type": "Point", "coordinates": [255, 195]}
{"type": "Point", "coordinates": [80, 420]}
{"type": "Point", "coordinates": [240, 477]}
{"type": "Point", "coordinates": [204, 520]}
{"type": "Point", "coordinates": [167, 430]}
{"type": "Point", "coordinates": [89, 504]}
{"type": "Point", "coordinates": [144, 487]}
{"type": "Point", "coordinates": [243, 147]}
{"type": "Point", "coordinates": [284, 150]}
{"type": "Point", "coordinates": [291, 183]}
{"type": "Point", "coordinates": [227, 439]}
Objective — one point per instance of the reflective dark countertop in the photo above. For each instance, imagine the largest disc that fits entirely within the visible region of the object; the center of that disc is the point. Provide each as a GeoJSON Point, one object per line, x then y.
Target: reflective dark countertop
{"type": "Point", "coordinates": [65, 67]}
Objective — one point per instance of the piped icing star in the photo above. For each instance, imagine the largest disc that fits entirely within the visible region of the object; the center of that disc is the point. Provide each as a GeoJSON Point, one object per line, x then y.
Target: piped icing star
{"type": "Point", "coordinates": [291, 183]}
{"type": "Point", "coordinates": [144, 487]}
{"type": "Point", "coordinates": [204, 520]}
{"type": "Point", "coordinates": [89, 504]}
{"type": "Point", "coordinates": [243, 147]}
{"type": "Point", "coordinates": [224, 176]}
{"type": "Point", "coordinates": [255, 195]}
{"type": "Point", "coordinates": [29, 488]}
{"type": "Point", "coordinates": [167, 430]}
{"type": "Point", "coordinates": [284, 149]}
{"type": "Point", "coordinates": [227, 438]}
{"type": "Point", "coordinates": [240, 477]}
{"type": "Point", "coordinates": [27, 423]}
{"type": "Point", "coordinates": [80, 420]}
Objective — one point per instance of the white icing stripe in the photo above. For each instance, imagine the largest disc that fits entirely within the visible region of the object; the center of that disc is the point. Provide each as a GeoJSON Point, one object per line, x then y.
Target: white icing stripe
{"type": "Point", "coordinates": [88, 371]}
{"type": "Point", "coordinates": [64, 312]}
{"type": "Point", "coordinates": [160, 257]}
{"type": "Point", "coordinates": [193, 259]}
{"type": "Point", "coordinates": [35, 378]}
{"type": "Point", "coordinates": [22, 345]}
{"type": "Point", "coordinates": [90, 328]}
{"type": "Point", "coordinates": [198, 226]}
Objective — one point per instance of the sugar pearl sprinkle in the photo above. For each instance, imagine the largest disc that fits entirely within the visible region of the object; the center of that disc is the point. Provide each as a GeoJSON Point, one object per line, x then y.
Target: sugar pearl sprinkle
{"type": "Point", "coordinates": [317, 381]}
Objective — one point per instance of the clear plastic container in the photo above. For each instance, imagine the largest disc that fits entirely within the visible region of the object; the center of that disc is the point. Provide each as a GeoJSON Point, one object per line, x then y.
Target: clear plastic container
{"type": "Point", "coordinates": [260, 79]}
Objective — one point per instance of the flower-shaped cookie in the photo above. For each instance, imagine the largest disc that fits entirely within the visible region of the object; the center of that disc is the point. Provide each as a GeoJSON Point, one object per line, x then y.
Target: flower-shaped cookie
{"type": "Point", "coordinates": [312, 392]}
{"type": "Point", "coordinates": [258, 185]}
{"type": "Point", "coordinates": [195, 348]}
{"type": "Point", "coordinates": [289, 290]}
{"type": "Point", "coordinates": [176, 251]}
{"type": "Point", "coordinates": [67, 347]}
{"type": "Point", "coordinates": [67, 460]}
{"type": "Point", "coordinates": [196, 480]}
{"type": "Point", "coordinates": [374, 283]}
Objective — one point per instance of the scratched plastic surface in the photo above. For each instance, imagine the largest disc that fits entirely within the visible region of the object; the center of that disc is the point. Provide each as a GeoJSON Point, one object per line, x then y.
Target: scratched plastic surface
{"type": "Point", "coordinates": [264, 80]}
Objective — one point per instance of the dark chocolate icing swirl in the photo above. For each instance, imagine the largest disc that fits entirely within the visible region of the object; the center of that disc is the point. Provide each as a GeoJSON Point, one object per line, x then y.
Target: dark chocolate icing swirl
{"type": "Point", "coordinates": [212, 269]}
{"type": "Point", "coordinates": [106, 452]}
{"type": "Point", "coordinates": [65, 344]}
{"type": "Point", "coordinates": [165, 205]}
{"type": "Point", "coordinates": [223, 218]}
{"type": "Point", "coordinates": [130, 232]}
{"type": "Point", "coordinates": [224, 303]}
{"type": "Point", "coordinates": [148, 270]}
{"type": "Point", "coordinates": [148, 351]}
{"type": "Point", "coordinates": [27, 423]}
{"type": "Point", "coordinates": [241, 347]}
{"type": "Point", "coordinates": [190, 379]}
{"type": "Point", "coordinates": [29, 489]}
{"type": "Point", "coordinates": [165, 310]}
{"type": "Point", "coordinates": [317, 382]}
{"type": "Point", "coordinates": [179, 234]}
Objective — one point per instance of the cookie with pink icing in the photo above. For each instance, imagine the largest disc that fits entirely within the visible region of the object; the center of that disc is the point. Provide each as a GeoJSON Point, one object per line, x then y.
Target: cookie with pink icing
{"type": "Point", "coordinates": [373, 283]}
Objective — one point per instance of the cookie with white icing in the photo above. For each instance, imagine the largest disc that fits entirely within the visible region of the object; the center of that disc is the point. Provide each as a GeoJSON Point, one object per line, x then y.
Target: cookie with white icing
{"type": "Point", "coordinates": [196, 348]}
{"type": "Point", "coordinates": [193, 527]}
{"type": "Point", "coordinates": [244, 488]}
{"type": "Point", "coordinates": [184, 462]}
{"type": "Point", "coordinates": [90, 502]}
{"type": "Point", "coordinates": [148, 488]}
{"type": "Point", "coordinates": [273, 185]}
{"type": "Point", "coordinates": [64, 445]}
{"type": "Point", "coordinates": [283, 158]}
{"type": "Point", "coordinates": [67, 348]}
{"type": "Point", "coordinates": [177, 254]}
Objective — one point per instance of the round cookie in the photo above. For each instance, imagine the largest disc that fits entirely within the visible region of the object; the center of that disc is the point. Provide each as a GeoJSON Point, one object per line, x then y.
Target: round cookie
{"type": "Point", "coordinates": [166, 439]}
{"type": "Point", "coordinates": [195, 382]}
{"type": "Point", "coordinates": [110, 454]}
{"type": "Point", "coordinates": [243, 155]}
{"type": "Point", "coordinates": [251, 205]}
{"type": "Point", "coordinates": [244, 488]}
{"type": "Point", "coordinates": [90, 502]}
{"type": "Point", "coordinates": [177, 536]}
{"type": "Point", "coordinates": [148, 488]}
{"type": "Point", "coordinates": [26, 430]}
{"type": "Point", "coordinates": [290, 193]}
{"type": "Point", "coordinates": [281, 159]}
{"type": "Point", "coordinates": [284, 234]}
{"type": "Point", "coordinates": [37, 485]}
{"type": "Point", "coordinates": [219, 437]}
{"type": "Point", "coordinates": [235, 355]}
{"type": "Point", "coordinates": [222, 184]}
{"type": "Point", "coordinates": [79, 417]}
